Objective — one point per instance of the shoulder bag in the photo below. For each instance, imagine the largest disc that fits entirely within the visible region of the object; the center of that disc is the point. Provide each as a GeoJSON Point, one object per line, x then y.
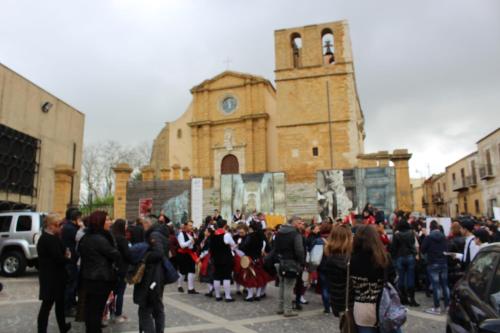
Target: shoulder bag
{"type": "Point", "coordinates": [347, 324]}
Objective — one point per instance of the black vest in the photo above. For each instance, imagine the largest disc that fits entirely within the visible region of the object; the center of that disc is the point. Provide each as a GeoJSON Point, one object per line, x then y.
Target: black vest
{"type": "Point", "coordinates": [220, 251]}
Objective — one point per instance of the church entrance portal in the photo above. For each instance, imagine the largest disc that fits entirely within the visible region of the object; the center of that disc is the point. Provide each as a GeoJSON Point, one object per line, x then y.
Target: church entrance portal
{"type": "Point", "coordinates": [229, 165]}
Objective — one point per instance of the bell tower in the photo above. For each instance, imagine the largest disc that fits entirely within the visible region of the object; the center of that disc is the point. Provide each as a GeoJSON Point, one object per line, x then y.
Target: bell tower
{"type": "Point", "coordinates": [320, 121]}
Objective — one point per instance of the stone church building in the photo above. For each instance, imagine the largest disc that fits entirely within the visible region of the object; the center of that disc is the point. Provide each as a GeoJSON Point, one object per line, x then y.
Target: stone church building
{"type": "Point", "coordinates": [310, 119]}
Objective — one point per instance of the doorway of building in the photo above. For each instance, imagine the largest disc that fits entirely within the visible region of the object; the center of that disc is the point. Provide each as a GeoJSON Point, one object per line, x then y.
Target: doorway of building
{"type": "Point", "coordinates": [229, 165]}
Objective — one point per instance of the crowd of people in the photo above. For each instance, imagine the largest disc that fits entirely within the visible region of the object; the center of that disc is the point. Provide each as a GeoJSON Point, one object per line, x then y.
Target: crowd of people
{"type": "Point", "coordinates": [85, 262]}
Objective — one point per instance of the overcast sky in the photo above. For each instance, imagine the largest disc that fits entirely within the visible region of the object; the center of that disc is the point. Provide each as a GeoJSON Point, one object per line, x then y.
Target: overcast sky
{"type": "Point", "coordinates": [428, 71]}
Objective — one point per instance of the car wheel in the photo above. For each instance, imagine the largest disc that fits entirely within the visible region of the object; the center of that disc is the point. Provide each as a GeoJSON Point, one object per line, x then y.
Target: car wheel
{"type": "Point", "coordinates": [13, 263]}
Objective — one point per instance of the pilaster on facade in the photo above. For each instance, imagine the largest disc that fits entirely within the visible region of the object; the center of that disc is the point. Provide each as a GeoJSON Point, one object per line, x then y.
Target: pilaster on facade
{"type": "Point", "coordinates": [62, 188]}
{"type": "Point", "coordinates": [122, 175]}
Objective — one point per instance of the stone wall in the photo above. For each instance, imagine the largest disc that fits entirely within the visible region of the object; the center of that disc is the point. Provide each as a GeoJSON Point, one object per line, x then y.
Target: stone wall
{"type": "Point", "coordinates": [301, 200]}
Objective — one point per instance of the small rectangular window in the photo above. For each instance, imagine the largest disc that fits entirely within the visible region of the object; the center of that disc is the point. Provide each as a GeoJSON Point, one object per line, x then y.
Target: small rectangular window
{"type": "Point", "coordinates": [23, 223]}
{"type": "Point", "coordinates": [315, 151]}
{"type": "Point", "coordinates": [5, 222]}
{"type": "Point", "coordinates": [476, 203]}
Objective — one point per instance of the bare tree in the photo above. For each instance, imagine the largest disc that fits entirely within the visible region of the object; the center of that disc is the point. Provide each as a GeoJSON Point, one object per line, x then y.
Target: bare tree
{"type": "Point", "coordinates": [91, 173]}
{"type": "Point", "coordinates": [99, 160]}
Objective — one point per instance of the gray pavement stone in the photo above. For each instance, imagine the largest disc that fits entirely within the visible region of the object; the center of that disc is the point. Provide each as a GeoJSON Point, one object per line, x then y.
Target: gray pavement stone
{"type": "Point", "coordinates": [196, 313]}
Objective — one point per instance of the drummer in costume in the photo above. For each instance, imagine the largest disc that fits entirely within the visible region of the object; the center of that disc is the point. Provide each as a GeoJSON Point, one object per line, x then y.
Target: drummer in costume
{"type": "Point", "coordinates": [252, 275]}
{"type": "Point", "coordinates": [221, 246]}
{"type": "Point", "coordinates": [239, 237]}
{"type": "Point", "coordinates": [186, 256]}
{"type": "Point", "coordinates": [205, 261]}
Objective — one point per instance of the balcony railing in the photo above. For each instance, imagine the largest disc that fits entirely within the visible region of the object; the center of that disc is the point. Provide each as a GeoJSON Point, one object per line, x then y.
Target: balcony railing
{"type": "Point", "coordinates": [471, 181]}
{"type": "Point", "coordinates": [459, 185]}
{"type": "Point", "coordinates": [486, 171]}
{"type": "Point", "coordinates": [438, 199]}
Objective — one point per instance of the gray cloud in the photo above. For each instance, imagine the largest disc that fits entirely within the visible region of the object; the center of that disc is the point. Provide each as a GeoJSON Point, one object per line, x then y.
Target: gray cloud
{"type": "Point", "coordinates": [427, 71]}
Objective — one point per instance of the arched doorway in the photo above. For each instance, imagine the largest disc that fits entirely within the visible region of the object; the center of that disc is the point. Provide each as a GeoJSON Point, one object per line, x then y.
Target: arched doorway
{"type": "Point", "coordinates": [229, 164]}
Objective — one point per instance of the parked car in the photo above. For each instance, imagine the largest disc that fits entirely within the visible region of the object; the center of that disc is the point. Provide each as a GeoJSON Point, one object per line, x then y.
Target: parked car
{"type": "Point", "coordinates": [19, 232]}
{"type": "Point", "coordinates": [475, 299]}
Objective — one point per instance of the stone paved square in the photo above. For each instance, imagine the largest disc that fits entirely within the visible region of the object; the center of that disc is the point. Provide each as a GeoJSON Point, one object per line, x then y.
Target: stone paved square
{"type": "Point", "coordinates": [196, 313]}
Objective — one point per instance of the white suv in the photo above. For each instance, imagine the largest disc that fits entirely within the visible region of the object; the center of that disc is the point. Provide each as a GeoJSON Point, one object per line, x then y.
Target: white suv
{"type": "Point", "coordinates": [19, 233]}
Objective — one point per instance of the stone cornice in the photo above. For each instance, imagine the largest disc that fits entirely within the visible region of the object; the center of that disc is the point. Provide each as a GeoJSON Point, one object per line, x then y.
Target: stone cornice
{"type": "Point", "coordinates": [229, 121]}
{"type": "Point", "coordinates": [314, 123]}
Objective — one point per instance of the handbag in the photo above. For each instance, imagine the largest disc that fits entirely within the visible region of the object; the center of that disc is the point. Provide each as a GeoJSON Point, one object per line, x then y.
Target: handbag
{"type": "Point", "coordinates": [347, 324]}
{"type": "Point", "coordinates": [135, 275]}
{"type": "Point", "coordinates": [288, 268]}
{"type": "Point", "coordinates": [171, 274]}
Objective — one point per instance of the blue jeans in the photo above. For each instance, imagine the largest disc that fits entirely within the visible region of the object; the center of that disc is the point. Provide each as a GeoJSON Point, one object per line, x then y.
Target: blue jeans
{"type": "Point", "coordinates": [325, 295]}
{"type": "Point", "coordinates": [119, 290]}
{"type": "Point", "coordinates": [71, 284]}
{"type": "Point", "coordinates": [439, 280]}
{"type": "Point", "coordinates": [406, 272]}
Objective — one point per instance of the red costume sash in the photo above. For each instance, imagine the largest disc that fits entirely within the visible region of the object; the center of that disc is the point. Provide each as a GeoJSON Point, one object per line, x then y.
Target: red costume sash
{"type": "Point", "coordinates": [191, 253]}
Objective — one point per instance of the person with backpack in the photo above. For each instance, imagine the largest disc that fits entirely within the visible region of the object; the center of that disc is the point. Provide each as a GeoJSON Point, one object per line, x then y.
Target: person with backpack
{"type": "Point", "coordinates": [148, 293]}
{"type": "Point", "coordinates": [370, 268]}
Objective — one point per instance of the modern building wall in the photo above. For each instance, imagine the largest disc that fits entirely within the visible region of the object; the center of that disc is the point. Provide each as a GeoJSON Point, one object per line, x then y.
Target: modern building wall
{"type": "Point", "coordinates": [489, 169]}
{"type": "Point", "coordinates": [60, 131]}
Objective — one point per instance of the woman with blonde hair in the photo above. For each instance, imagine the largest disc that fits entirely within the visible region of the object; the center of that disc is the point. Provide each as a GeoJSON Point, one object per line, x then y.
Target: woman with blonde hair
{"type": "Point", "coordinates": [52, 260]}
{"type": "Point", "coordinates": [338, 247]}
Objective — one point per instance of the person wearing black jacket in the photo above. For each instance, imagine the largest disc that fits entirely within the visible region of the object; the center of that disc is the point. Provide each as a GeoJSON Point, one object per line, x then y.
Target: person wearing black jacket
{"type": "Point", "coordinates": [148, 294]}
{"type": "Point", "coordinates": [52, 276]}
{"type": "Point", "coordinates": [99, 259]}
{"type": "Point", "coordinates": [434, 246]}
{"type": "Point", "coordinates": [68, 236]}
{"type": "Point", "coordinates": [118, 229]}
{"type": "Point", "coordinates": [404, 253]}
{"type": "Point", "coordinates": [337, 251]}
{"type": "Point", "coordinates": [289, 249]}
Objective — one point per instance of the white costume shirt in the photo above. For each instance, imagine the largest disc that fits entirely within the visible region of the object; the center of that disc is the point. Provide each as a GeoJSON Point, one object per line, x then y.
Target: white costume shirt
{"type": "Point", "coordinates": [189, 244]}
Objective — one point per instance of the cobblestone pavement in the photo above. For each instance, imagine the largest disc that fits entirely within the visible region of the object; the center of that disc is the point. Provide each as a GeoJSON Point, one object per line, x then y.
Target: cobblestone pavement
{"type": "Point", "coordinates": [195, 313]}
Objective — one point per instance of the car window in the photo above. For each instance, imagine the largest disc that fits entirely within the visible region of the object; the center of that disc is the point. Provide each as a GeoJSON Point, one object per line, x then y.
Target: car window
{"type": "Point", "coordinates": [23, 223]}
{"type": "Point", "coordinates": [5, 222]}
{"type": "Point", "coordinates": [495, 290]}
{"type": "Point", "coordinates": [481, 272]}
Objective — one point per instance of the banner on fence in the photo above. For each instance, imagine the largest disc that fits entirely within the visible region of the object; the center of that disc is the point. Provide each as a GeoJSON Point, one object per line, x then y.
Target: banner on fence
{"type": "Point", "coordinates": [197, 201]}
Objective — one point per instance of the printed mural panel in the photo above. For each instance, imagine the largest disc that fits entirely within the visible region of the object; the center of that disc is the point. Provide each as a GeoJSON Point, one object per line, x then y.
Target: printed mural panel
{"type": "Point", "coordinates": [261, 192]}
{"type": "Point", "coordinates": [171, 196]}
{"type": "Point", "coordinates": [342, 190]}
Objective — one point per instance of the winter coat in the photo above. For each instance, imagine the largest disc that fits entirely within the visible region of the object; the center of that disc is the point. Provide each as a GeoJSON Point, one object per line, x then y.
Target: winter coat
{"type": "Point", "coordinates": [403, 244]}
{"type": "Point", "coordinates": [68, 237]}
{"type": "Point", "coordinates": [122, 245]}
{"type": "Point", "coordinates": [367, 282]}
{"type": "Point", "coordinates": [289, 244]}
{"type": "Point", "coordinates": [335, 268]}
{"type": "Point", "coordinates": [51, 267]}
{"type": "Point", "coordinates": [99, 256]}
{"type": "Point", "coordinates": [434, 247]}
{"type": "Point", "coordinates": [153, 280]}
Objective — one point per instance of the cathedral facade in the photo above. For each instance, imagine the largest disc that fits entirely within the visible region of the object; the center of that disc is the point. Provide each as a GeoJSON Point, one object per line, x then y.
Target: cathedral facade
{"type": "Point", "coordinates": [309, 120]}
